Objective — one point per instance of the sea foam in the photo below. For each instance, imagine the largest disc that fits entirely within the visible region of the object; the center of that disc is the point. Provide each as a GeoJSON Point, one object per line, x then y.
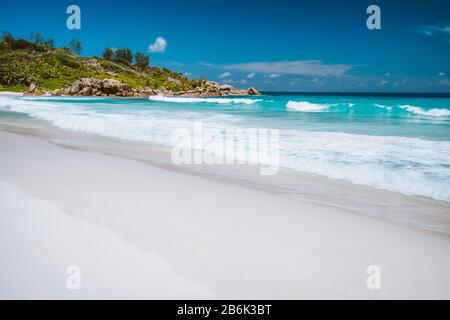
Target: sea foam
{"type": "Point", "coordinates": [411, 166]}
{"type": "Point", "coordinates": [304, 106]}
{"type": "Point", "coordinates": [435, 112]}
{"type": "Point", "coordinates": [203, 100]}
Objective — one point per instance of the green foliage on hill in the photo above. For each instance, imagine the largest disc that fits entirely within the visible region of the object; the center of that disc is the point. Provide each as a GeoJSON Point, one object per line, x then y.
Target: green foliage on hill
{"type": "Point", "coordinates": [23, 62]}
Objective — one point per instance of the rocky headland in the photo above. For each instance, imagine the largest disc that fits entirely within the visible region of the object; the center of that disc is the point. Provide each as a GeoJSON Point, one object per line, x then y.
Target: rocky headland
{"type": "Point", "coordinates": [113, 87]}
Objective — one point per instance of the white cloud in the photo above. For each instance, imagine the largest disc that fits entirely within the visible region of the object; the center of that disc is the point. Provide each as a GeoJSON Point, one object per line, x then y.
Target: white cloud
{"type": "Point", "coordinates": [441, 74]}
{"type": "Point", "coordinates": [387, 74]}
{"type": "Point", "coordinates": [442, 28]}
{"type": "Point", "coordinates": [160, 45]}
{"type": "Point", "coordinates": [400, 83]}
{"type": "Point", "coordinates": [274, 75]}
{"type": "Point", "coordinates": [302, 67]}
{"type": "Point", "coordinates": [224, 75]}
{"type": "Point", "coordinates": [251, 75]}
{"type": "Point", "coordinates": [382, 83]}
{"type": "Point", "coordinates": [318, 81]}
{"type": "Point", "coordinates": [205, 64]}
{"type": "Point", "coordinates": [444, 83]}
{"type": "Point", "coordinates": [235, 82]}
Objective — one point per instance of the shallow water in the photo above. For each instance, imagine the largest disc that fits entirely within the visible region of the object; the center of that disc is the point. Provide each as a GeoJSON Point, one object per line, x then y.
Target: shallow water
{"type": "Point", "coordinates": [400, 144]}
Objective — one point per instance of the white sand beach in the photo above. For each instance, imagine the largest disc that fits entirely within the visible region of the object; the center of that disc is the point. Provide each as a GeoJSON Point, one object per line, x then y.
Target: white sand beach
{"type": "Point", "coordinates": [140, 231]}
{"type": "Point", "coordinates": [10, 94]}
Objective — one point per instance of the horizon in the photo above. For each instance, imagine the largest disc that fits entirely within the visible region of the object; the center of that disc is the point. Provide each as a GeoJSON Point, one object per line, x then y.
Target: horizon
{"type": "Point", "coordinates": [368, 93]}
{"type": "Point", "coordinates": [324, 47]}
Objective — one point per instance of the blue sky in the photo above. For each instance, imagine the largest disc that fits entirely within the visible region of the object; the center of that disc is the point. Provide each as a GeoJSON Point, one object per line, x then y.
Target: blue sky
{"type": "Point", "coordinates": [273, 45]}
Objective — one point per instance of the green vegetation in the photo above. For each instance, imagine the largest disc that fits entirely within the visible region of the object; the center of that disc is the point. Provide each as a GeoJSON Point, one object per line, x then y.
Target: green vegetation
{"type": "Point", "coordinates": [142, 60]}
{"type": "Point", "coordinates": [75, 46]}
{"type": "Point", "coordinates": [38, 62]}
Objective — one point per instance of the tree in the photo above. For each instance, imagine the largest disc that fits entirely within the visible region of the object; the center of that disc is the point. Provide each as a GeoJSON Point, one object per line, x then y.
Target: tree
{"type": "Point", "coordinates": [142, 60]}
{"type": "Point", "coordinates": [7, 37]}
{"type": "Point", "coordinates": [108, 54]}
{"type": "Point", "coordinates": [123, 55]}
{"type": "Point", "coordinates": [38, 39]}
{"type": "Point", "coordinates": [128, 55]}
{"type": "Point", "coordinates": [75, 46]}
{"type": "Point", "coordinates": [50, 43]}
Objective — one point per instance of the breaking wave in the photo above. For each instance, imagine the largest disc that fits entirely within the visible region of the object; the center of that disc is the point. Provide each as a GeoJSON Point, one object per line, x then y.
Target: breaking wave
{"type": "Point", "coordinates": [305, 106]}
{"type": "Point", "coordinates": [412, 166]}
{"type": "Point", "coordinates": [203, 100]}
{"type": "Point", "coordinates": [435, 112]}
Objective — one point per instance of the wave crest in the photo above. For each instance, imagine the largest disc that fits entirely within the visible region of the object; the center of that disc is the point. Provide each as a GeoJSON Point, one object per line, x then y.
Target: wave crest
{"type": "Point", "coordinates": [305, 106]}
{"type": "Point", "coordinates": [436, 112]}
{"type": "Point", "coordinates": [162, 98]}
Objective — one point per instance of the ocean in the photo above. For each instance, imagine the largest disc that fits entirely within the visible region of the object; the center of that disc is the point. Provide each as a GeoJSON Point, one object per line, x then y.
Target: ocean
{"type": "Point", "coordinates": [399, 143]}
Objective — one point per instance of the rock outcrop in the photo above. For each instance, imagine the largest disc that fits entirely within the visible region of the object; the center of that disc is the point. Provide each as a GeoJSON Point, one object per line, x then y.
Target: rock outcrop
{"type": "Point", "coordinates": [113, 87]}
{"type": "Point", "coordinates": [95, 87]}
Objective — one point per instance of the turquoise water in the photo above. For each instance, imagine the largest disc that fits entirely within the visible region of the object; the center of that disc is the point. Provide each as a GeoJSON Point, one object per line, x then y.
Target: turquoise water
{"type": "Point", "coordinates": [400, 144]}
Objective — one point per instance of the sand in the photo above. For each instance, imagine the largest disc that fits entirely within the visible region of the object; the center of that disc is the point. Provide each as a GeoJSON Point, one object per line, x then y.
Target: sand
{"type": "Point", "coordinates": [140, 231]}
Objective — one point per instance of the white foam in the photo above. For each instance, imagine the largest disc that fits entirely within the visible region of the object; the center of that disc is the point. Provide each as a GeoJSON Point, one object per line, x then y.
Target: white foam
{"type": "Point", "coordinates": [203, 100]}
{"type": "Point", "coordinates": [407, 165]}
{"type": "Point", "coordinates": [305, 106]}
{"type": "Point", "coordinates": [436, 112]}
{"type": "Point", "coordinates": [381, 106]}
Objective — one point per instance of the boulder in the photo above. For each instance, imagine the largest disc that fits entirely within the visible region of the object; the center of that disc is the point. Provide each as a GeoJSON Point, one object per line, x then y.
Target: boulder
{"type": "Point", "coordinates": [253, 92]}
{"type": "Point", "coordinates": [74, 89]}
{"type": "Point", "coordinates": [86, 82]}
{"type": "Point", "coordinates": [86, 91]}
{"type": "Point", "coordinates": [226, 87]}
{"type": "Point", "coordinates": [173, 80]}
{"type": "Point", "coordinates": [93, 63]}
{"type": "Point", "coordinates": [113, 86]}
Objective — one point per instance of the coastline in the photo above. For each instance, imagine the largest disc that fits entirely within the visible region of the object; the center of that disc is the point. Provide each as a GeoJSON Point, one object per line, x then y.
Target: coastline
{"type": "Point", "coordinates": [416, 212]}
{"type": "Point", "coordinates": [271, 246]}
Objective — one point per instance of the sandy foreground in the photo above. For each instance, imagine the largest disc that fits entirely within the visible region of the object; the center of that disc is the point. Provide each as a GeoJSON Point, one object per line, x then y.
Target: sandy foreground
{"type": "Point", "coordinates": [138, 231]}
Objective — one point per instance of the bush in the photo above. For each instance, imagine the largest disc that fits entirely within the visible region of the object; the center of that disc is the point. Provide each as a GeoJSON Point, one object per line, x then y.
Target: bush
{"type": "Point", "coordinates": [108, 54]}
{"type": "Point", "coordinates": [75, 46]}
{"type": "Point", "coordinates": [142, 60]}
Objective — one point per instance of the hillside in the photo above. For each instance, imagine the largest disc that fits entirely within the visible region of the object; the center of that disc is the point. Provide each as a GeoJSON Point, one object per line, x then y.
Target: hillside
{"type": "Point", "coordinates": [44, 68]}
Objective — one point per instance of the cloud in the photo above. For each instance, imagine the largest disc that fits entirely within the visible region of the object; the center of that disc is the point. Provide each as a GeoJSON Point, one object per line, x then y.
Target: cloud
{"type": "Point", "coordinates": [302, 67]}
{"type": "Point", "coordinates": [230, 81]}
{"type": "Point", "coordinates": [441, 74]}
{"type": "Point", "coordinates": [400, 83]}
{"type": "Point", "coordinates": [274, 75]}
{"type": "Point", "coordinates": [382, 83]}
{"type": "Point", "coordinates": [251, 75]}
{"type": "Point", "coordinates": [224, 75]}
{"type": "Point", "coordinates": [387, 74]}
{"type": "Point", "coordinates": [317, 81]}
{"type": "Point", "coordinates": [444, 83]}
{"type": "Point", "coordinates": [160, 45]}
{"type": "Point", "coordinates": [438, 28]}
{"type": "Point", "coordinates": [205, 64]}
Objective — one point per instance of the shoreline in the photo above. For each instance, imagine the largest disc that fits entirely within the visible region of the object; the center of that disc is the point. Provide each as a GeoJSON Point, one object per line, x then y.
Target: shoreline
{"type": "Point", "coordinates": [265, 245]}
{"type": "Point", "coordinates": [422, 213]}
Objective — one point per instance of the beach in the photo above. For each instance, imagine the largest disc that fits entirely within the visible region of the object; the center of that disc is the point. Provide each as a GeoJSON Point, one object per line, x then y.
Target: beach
{"type": "Point", "coordinates": [194, 154]}
{"type": "Point", "coordinates": [142, 231]}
